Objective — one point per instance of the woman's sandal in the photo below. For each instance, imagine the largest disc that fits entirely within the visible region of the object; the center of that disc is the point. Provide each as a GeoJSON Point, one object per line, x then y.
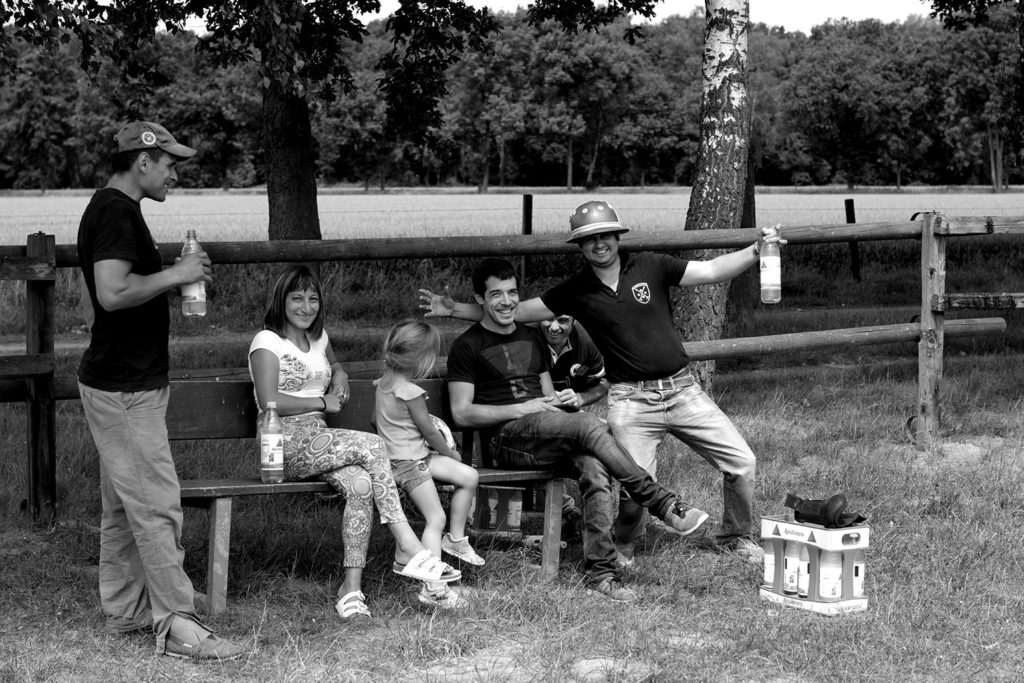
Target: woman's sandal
{"type": "Point", "coordinates": [352, 605]}
{"type": "Point", "coordinates": [425, 567]}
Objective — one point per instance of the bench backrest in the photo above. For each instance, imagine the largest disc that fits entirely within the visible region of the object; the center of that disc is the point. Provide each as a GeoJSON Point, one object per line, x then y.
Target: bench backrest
{"type": "Point", "coordinates": [226, 409]}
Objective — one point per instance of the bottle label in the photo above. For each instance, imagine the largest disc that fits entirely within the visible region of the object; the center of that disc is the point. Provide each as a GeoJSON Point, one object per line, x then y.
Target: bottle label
{"type": "Point", "coordinates": [194, 292]}
{"type": "Point", "coordinates": [271, 450]}
{"type": "Point", "coordinates": [771, 271]}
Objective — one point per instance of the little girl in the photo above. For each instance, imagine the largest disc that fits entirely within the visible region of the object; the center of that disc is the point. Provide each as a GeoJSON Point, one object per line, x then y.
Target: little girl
{"type": "Point", "coordinates": [420, 453]}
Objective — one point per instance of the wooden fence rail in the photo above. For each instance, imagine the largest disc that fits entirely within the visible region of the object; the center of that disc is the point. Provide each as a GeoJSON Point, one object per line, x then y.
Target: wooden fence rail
{"type": "Point", "coordinates": [38, 261]}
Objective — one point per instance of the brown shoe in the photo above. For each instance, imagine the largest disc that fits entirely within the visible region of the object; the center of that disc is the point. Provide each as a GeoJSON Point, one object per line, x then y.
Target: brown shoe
{"type": "Point", "coordinates": [211, 648]}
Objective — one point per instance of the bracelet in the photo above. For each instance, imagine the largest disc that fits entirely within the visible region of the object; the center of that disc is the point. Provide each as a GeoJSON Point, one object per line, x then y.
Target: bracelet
{"type": "Point", "coordinates": [324, 401]}
{"type": "Point", "coordinates": [757, 248]}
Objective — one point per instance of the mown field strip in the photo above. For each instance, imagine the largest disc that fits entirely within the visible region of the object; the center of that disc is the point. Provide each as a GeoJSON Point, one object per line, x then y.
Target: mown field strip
{"type": "Point", "coordinates": [241, 217]}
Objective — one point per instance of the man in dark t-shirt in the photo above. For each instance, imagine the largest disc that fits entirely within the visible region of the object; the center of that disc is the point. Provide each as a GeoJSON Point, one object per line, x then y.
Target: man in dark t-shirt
{"type": "Point", "coordinates": [623, 300]}
{"type": "Point", "coordinates": [123, 383]}
{"type": "Point", "coordinates": [498, 382]}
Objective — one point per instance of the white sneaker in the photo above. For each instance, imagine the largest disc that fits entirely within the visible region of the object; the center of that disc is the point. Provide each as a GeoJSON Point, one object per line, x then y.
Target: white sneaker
{"type": "Point", "coordinates": [445, 598]}
{"type": "Point", "coordinates": [461, 549]}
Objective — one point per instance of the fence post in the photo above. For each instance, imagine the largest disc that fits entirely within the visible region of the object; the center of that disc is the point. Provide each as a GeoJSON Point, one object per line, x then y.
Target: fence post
{"type": "Point", "coordinates": [851, 217]}
{"type": "Point", "coordinates": [930, 347]}
{"type": "Point", "coordinates": [42, 428]}
{"type": "Point", "coordinates": [527, 230]}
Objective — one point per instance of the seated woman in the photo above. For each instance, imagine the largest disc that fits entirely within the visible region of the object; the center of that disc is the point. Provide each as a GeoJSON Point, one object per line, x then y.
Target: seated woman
{"type": "Point", "coordinates": [291, 362]}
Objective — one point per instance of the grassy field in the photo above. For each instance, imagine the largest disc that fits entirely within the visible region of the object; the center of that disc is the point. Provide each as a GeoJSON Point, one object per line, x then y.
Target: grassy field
{"type": "Point", "coordinates": [237, 217]}
{"type": "Point", "coordinates": [944, 570]}
{"type": "Point", "coordinates": [944, 574]}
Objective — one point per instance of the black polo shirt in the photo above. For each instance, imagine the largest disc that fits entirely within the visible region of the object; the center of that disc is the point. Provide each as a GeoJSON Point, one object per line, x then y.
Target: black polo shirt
{"type": "Point", "coordinates": [632, 326]}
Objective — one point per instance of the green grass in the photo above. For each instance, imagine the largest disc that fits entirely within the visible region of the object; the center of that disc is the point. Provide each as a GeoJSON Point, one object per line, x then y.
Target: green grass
{"type": "Point", "coordinates": [944, 574]}
{"type": "Point", "coordinates": [943, 569]}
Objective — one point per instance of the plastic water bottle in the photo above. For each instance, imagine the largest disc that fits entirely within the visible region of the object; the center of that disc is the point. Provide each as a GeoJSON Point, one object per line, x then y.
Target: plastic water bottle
{"type": "Point", "coordinates": [830, 575]}
{"type": "Point", "coordinates": [790, 569]}
{"type": "Point", "coordinates": [803, 572]}
{"type": "Point", "coordinates": [769, 563]}
{"type": "Point", "coordinates": [771, 273]}
{"type": "Point", "coordinates": [858, 573]}
{"type": "Point", "coordinates": [193, 296]}
{"type": "Point", "coordinates": [272, 447]}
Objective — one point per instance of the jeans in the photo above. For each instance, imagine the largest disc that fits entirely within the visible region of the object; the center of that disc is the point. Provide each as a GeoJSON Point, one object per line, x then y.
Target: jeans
{"type": "Point", "coordinates": [142, 580]}
{"type": "Point", "coordinates": [549, 440]}
{"type": "Point", "coordinates": [640, 419]}
{"type": "Point", "coordinates": [598, 493]}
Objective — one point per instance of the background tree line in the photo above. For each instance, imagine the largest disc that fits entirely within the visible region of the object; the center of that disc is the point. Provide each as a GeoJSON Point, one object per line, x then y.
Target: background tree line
{"type": "Point", "coordinates": [861, 103]}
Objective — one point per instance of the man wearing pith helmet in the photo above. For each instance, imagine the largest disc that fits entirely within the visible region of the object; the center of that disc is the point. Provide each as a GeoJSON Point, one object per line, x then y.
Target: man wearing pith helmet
{"type": "Point", "coordinates": [123, 382]}
{"type": "Point", "coordinates": [623, 300]}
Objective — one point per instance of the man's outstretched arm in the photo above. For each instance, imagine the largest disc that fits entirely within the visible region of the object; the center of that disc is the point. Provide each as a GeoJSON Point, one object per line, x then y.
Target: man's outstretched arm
{"type": "Point", "coordinates": [444, 306]}
{"type": "Point", "coordinates": [728, 266]}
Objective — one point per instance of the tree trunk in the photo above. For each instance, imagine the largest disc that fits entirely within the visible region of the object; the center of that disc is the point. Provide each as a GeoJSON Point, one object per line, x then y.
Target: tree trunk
{"type": "Point", "coordinates": [717, 197]}
{"type": "Point", "coordinates": [501, 163]}
{"type": "Point", "coordinates": [568, 165]}
{"type": "Point", "coordinates": [995, 160]}
{"type": "Point", "coordinates": [593, 163]}
{"type": "Point", "coordinates": [485, 165]}
{"type": "Point", "coordinates": [291, 173]}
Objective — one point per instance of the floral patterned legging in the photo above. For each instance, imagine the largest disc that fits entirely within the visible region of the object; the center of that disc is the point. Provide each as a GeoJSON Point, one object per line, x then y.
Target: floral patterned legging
{"type": "Point", "coordinates": [354, 464]}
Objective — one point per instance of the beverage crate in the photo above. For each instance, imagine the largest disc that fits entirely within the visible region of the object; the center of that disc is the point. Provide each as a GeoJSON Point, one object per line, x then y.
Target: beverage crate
{"type": "Point", "coordinates": [810, 567]}
{"type": "Point", "coordinates": [498, 508]}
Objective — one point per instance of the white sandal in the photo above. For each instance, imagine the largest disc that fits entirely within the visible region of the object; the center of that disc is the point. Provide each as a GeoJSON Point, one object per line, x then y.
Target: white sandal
{"type": "Point", "coordinates": [352, 605]}
{"type": "Point", "coordinates": [425, 567]}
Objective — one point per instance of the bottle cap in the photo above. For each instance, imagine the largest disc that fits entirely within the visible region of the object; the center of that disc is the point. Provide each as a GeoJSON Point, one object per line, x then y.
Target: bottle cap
{"type": "Point", "coordinates": [271, 405]}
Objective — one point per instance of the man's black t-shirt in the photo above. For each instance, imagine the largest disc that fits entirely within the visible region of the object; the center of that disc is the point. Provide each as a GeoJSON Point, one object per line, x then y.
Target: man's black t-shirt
{"type": "Point", "coordinates": [128, 350]}
{"type": "Point", "coordinates": [503, 368]}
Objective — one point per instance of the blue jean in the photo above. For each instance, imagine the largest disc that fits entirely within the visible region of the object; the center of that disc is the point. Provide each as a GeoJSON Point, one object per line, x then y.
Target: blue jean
{"type": "Point", "coordinates": [141, 574]}
{"type": "Point", "coordinates": [640, 419]}
{"type": "Point", "coordinates": [597, 491]}
{"type": "Point", "coordinates": [549, 440]}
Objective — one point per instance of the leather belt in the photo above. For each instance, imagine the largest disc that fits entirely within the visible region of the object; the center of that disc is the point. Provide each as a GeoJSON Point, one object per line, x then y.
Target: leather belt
{"type": "Point", "coordinates": [681, 379]}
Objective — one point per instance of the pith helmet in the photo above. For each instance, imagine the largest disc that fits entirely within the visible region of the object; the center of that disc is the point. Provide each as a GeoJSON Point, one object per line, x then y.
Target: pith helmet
{"type": "Point", "coordinates": [593, 218]}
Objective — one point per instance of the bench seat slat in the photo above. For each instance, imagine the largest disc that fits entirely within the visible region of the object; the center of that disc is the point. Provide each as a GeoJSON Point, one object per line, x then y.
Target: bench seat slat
{"type": "Point", "coordinates": [222, 488]}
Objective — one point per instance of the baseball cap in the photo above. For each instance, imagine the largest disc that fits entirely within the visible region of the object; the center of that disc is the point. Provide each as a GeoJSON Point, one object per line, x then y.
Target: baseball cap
{"type": "Point", "coordinates": [147, 135]}
{"type": "Point", "coordinates": [593, 218]}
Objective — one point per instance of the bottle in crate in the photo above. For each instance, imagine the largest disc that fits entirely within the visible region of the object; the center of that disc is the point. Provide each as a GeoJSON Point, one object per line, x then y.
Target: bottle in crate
{"type": "Point", "coordinates": [830, 575]}
{"type": "Point", "coordinates": [803, 572]}
{"type": "Point", "coordinates": [790, 568]}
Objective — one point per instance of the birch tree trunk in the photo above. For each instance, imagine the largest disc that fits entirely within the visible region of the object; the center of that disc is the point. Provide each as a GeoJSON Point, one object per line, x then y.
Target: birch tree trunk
{"type": "Point", "coordinates": [718, 189]}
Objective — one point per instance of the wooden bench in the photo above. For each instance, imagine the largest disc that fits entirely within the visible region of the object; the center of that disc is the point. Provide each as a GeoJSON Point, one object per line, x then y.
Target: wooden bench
{"type": "Point", "coordinates": [223, 407]}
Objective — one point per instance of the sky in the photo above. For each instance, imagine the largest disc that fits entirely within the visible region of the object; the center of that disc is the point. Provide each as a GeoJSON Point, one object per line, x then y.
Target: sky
{"type": "Point", "coordinates": [794, 15]}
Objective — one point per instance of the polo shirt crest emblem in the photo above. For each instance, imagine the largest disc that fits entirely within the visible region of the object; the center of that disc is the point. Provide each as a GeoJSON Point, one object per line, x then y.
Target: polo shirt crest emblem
{"type": "Point", "coordinates": [641, 292]}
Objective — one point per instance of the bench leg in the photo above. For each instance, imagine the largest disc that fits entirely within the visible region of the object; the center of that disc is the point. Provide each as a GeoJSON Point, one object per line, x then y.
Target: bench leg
{"type": "Point", "coordinates": [217, 562]}
{"type": "Point", "coordinates": [552, 541]}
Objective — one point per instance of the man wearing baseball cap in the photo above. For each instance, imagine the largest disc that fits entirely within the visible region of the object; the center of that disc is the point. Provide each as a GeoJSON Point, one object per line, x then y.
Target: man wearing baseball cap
{"type": "Point", "coordinates": [123, 383]}
{"type": "Point", "coordinates": [624, 302]}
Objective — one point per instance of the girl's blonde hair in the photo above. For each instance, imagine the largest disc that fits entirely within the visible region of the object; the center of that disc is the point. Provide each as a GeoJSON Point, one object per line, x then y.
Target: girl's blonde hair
{"type": "Point", "coordinates": [411, 348]}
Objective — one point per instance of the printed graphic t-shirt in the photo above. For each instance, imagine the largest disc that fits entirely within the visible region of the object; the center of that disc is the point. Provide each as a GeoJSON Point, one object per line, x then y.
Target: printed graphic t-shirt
{"type": "Point", "coordinates": [305, 374]}
{"type": "Point", "coordinates": [503, 368]}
